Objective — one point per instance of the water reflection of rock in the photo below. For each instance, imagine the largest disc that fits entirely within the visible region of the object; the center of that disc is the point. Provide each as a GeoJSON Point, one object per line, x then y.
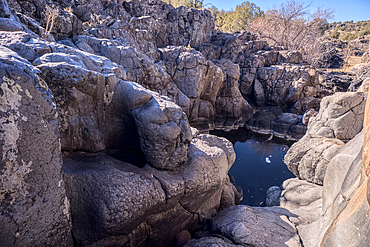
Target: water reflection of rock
{"type": "Point", "coordinates": [259, 163]}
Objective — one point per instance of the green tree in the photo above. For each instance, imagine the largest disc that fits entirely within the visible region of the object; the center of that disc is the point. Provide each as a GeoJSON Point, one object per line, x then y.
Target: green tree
{"type": "Point", "coordinates": [219, 16]}
{"type": "Point", "coordinates": [238, 20]}
{"type": "Point", "coordinates": [187, 3]}
{"type": "Point", "coordinates": [194, 3]}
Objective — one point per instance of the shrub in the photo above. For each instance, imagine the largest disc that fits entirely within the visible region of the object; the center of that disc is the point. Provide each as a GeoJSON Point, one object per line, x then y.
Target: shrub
{"type": "Point", "coordinates": [293, 27]}
{"type": "Point", "coordinates": [347, 36]}
{"type": "Point", "coordinates": [335, 34]}
{"type": "Point", "coordinates": [51, 13]}
{"type": "Point", "coordinates": [187, 3]}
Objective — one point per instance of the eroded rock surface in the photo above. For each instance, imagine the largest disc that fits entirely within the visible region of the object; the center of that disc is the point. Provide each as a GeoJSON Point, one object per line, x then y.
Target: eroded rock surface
{"type": "Point", "coordinates": [123, 108]}
{"type": "Point", "coordinates": [34, 208]}
{"type": "Point", "coordinates": [143, 200]}
{"type": "Point", "coordinates": [339, 120]}
{"type": "Point", "coordinates": [245, 225]}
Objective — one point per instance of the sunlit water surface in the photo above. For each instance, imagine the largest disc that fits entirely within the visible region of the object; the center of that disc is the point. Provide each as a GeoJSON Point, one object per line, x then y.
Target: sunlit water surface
{"type": "Point", "coordinates": [259, 163]}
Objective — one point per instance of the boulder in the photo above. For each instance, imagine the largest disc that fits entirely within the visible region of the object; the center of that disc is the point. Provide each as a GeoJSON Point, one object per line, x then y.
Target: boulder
{"type": "Point", "coordinates": [115, 203]}
{"type": "Point", "coordinates": [285, 121]}
{"type": "Point", "coordinates": [197, 78]}
{"type": "Point", "coordinates": [84, 86]}
{"type": "Point", "coordinates": [108, 197]}
{"type": "Point", "coordinates": [256, 226]}
{"type": "Point", "coordinates": [34, 208]}
{"type": "Point", "coordinates": [211, 241]}
{"type": "Point", "coordinates": [8, 22]}
{"type": "Point", "coordinates": [361, 70]}
{"type": "Point", "coordinates": [287, 84]}
{"type": "Point", "coordinates": [164, 132]}
{"type": "Point", "coordinates": [304, 201]}
{"type": "Point", "coordinates": [308, 158]}
{"type": "Point", "coordinates": [302, 198]}
{"type": "Point", "coordinates": [25, 45]}
{"type": "Point", "coordinates": [340, 116]}
{"type": "Point", "coordinates": [291, 57]}
{"type": "Point", "coordinates": [273, 196]}
{"type": "Point", "coordinates": [339, 120]}
{"type": "Point", "coordinates": [232, 110]}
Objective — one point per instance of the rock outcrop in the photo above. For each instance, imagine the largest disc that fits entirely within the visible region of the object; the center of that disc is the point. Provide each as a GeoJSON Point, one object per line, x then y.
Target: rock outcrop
{"type": "Point", "coordinates": [143, 199]}
{"type": "Point", "coordinates": [130, 160]}
{"type": "Point", "coordinates": [340, 119]}
{"type": "Point", "coordinates": [129, 34]}
{"type": "Point", "coordinates": [335, 213]}
{"type": "Point", "coordinates": [97, 140]}
{"type": "Point", "coordinates": [34, 207]}
{"type": "Point", "coordinates": [329, 209]}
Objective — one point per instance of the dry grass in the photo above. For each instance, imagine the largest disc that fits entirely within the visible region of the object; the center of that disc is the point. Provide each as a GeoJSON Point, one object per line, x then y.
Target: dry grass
{"type": "Point", "coordinates": [51, 13]}
{"type": "Point", "coordinates": [68, 9]}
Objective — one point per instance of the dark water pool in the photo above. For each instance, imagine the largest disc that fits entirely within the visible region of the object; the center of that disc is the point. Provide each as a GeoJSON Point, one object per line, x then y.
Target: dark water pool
{"type": "Point", "coordinates": [258, 165]}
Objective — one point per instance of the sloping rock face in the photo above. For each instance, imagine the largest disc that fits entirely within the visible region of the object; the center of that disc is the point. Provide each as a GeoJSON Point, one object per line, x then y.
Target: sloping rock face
{"type": "Point", "coordinates": [332, 214]}
{"type": "Point", "coordinates": [244, 225]}
{"type": "Point", "coordinates": [34, 208]}
{"type": "Point", "coordinates": [336, 213]}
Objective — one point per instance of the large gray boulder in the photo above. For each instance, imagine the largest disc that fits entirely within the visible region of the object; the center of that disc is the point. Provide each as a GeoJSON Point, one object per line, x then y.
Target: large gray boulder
{"type": "Point", "coordinates": [115, 203]}
{"type": "Point", "coordinates": [308, 158]}
{"type": "Point", "coordinates": [108, 197]}
{"type": "Point", "coordinates": [340, 116]}
{"type": "Point", "coordinates": [164, 132]}
{"type": "Point", "coordinates": [34, 208]}
{"type": "Point", "coordinates": [197, 78]}
{"type": "Point", "coordinates": [339, 120]}
{"type": "Point", "coordinates": [256, 226]}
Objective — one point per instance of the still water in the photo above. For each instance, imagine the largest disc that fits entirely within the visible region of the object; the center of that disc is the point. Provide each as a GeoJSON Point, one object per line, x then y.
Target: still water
{"type": "Point", "coordinates": [258, 165]}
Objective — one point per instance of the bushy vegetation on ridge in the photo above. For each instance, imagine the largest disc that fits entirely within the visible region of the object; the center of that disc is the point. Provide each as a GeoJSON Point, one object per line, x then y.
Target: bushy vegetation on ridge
{"type": "Point", "coordinates": [348, 30]}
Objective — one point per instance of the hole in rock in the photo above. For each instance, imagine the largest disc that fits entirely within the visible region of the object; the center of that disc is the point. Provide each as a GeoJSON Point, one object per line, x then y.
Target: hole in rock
{"type": "Point", "coordinates": [132, 156]}
{"type": "Point", "coordinates": [259, 163]}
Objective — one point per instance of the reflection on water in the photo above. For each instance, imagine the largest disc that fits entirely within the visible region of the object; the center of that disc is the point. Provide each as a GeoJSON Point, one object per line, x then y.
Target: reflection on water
{"type": "Point", "coordinates": [258, 165]}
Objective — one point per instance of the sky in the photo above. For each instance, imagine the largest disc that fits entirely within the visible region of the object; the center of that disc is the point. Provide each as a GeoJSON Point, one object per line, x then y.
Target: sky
{"type": "Point", "coordinates": [344, 10]}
